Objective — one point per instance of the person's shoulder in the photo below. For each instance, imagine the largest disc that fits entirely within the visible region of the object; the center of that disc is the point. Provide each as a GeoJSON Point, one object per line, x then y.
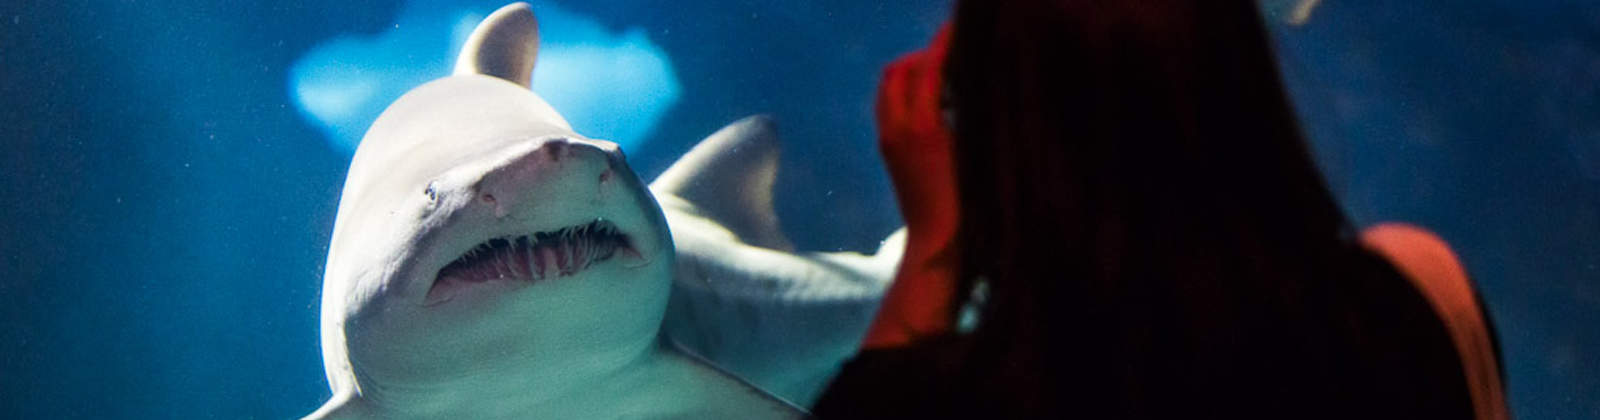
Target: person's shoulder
{"type": "Point", "coordinates": [1433, 268]}
{"type": "Point", "coordinates": [1419, 254]}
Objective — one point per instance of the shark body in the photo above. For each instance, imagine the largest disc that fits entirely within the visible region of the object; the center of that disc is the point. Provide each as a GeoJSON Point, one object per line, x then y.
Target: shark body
{"type": "Point", "coordinates": [489, 262]}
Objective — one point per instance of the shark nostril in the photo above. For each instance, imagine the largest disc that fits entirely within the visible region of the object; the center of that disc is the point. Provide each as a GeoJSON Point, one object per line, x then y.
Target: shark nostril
{"type": "Point", "coordinates": [555, 150]}
{"type": "Point", "coordinates": [489, 198]}
{"type": "Point", "coordinates": [605, 176]}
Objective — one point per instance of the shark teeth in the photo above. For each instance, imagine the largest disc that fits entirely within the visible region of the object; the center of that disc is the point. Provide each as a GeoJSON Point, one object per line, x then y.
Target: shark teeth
{"type": "Point", "coordinates": [537, 256]}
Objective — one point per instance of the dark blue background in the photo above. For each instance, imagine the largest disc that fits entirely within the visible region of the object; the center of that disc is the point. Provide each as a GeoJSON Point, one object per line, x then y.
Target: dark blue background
{"type": "Point", "coordinates": [166, 209]}
{"type": "Point", "coordinates": [1481, 121]}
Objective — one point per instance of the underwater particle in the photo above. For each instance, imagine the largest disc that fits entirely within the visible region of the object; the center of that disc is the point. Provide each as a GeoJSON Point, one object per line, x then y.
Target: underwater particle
{"type": "Point", "coordinates": [1291, 12]}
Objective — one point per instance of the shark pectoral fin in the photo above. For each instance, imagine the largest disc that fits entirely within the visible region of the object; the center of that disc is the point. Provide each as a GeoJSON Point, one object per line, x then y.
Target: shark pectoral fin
{"type": "Point", "coordinates": [878, 268]}
{"type": "Point", "coordinates": [340, 407]}
{"type": "Point", "coordinates": [504, 45]}
{"type": "Point", "coordinates": [728, 177]}
{"type": "Point", "coordinates": [892, 249]}
{"type": "Point", "coordinates": [782, 321]}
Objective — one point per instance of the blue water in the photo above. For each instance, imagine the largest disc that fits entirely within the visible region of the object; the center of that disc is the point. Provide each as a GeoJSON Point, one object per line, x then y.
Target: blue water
{"type": "Point", "coordinates": [171, 169]}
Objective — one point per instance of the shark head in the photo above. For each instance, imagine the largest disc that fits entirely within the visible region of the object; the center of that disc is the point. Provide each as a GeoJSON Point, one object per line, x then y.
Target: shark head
{"type": "Point", "coordinates": [482, 247]}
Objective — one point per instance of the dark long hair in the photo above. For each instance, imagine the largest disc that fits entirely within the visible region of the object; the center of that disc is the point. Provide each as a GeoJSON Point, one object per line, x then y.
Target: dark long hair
{"type": "Point", "coordinates": [1154, 234]}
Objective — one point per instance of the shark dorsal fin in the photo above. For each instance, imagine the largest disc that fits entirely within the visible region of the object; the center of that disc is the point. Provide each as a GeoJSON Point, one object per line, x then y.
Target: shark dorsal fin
{"type": "Point", "coordinates": [729, 177]}
{"type": "Point", "coordinates": [504, 45]}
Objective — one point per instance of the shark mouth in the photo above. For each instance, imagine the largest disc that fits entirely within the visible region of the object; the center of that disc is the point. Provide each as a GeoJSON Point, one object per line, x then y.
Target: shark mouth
{"type": "Point", "coordinates": [534, 257]}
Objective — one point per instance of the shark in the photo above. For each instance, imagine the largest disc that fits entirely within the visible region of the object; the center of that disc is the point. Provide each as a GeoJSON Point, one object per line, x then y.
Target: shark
{"type": "Point", "coordinates": [487, 261]}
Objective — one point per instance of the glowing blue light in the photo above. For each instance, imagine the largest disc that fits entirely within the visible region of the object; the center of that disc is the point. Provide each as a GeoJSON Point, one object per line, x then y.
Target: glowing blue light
{"type": "Point", "coordinates": [609, 85]}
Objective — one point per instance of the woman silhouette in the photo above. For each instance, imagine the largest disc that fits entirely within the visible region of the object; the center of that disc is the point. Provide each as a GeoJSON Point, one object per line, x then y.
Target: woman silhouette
{"type": "Point", "coordinates": [1112, 213]}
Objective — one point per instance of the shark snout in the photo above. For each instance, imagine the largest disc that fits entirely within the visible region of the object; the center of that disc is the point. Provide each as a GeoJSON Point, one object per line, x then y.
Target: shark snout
{"type": "Point", "coordinates": [553, 172]}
